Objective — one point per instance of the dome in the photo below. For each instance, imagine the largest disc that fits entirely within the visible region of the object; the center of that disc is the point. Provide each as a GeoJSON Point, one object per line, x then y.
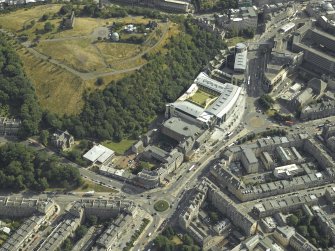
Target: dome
{"type": "Point", "coordinates": [328, 7]}
{"type": "Point", "coordinates": [115, 37]}
{"type": "Point", "coordinates": [240, 46]}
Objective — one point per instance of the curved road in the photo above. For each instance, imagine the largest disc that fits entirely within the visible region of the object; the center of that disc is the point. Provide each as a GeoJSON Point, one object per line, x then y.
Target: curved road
{"type": "Point", "coordinates": [90, 75]}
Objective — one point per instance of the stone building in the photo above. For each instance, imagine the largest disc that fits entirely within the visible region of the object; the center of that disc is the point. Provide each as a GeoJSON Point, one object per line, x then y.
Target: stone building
{"type": "Point", "coordinates": [9, 126]}
{"type": "Point", "coordinates": [62, 140]}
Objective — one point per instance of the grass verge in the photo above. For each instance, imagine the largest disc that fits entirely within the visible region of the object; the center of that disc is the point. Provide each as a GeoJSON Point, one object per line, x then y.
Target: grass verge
{"type": "Point", "coordinates": [161, 206]}
{"type": "Point", "coordinates": [119, 147]}
{"type": "Point", "coordinates": [89, 185]}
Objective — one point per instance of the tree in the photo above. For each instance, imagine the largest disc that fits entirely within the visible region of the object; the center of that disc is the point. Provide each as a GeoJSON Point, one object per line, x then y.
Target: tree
{"type": "Point", "coordinates": [187, 240]}
{"type": "Point", "coordinates": [144, 165]}
{"type": "Point", "coordinates": [91, 220]}
{"type": "Point", "coordinates": [45, 17]}
{"type": "Point", "coordinates": [66, 9]}
{"type": "Point", "coordinates": [313, 241]}
{"type": "Point", "coordinates": [313, 231]}
{"type": "Point", "coordinates": [67, 245]}
{"type": "Point", "coordinates": [48, 27]}
{"type": "Point", "coordinates": [161, 241]}
{"type": "Point", "coordinates": [42, 184]}
{"type": "Point", "coordinates": [44, 137]}
{"type": "Point", "coordinates": [214, 216]}
{"type": "Point", "coordinates": [266, 101]}
{"type": "Point", "coordinates": [186, 248]}
{"type": "Point", "coordinates": [292, 220]}
{"type": "Point", "coordinates": [195, 248]}
{"type": "Point", "coordinates": [80, 232]}
{"type": "Point", "coordinates": [324, 241]}
{"type": "Point", "coordinates": [302, 229]}
{"type": "Point", "coordinates": [169, 232]}
{"type": "Point", "coordinates": [100, 81]}
{"type": "Point", "coordinates": [84, 144]}
{"type": "Point", "coordinates": [22, 167]}
{"type": "Point", "coordinates": [299, 213]}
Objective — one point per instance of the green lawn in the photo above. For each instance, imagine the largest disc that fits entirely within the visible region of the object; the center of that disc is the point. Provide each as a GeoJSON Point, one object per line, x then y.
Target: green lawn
{"type": "Point", "coordinates": [271, 112]}
{"type": "Point", "coordinates": [176, 240]}
{"type": "Point", "coordinates": [200, 98]}
{"type": "Point", "coordinates": [161, 206]}
{"type": "Point", "coordinates": [235, 40]}
{"type": "Point", "coordinates": [119, 147]}
{"type": "Point", "coordinates": [89, 185]}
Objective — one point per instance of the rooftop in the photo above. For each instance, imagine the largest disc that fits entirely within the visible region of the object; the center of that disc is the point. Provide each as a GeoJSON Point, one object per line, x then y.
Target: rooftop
{"type": "Point", "coordinates": [241, 61]}
{"type": "Point", "coordinates": [250, 156]}
{"type": "Point", "coordinates": [98, 153]}
{"type": "Point", "coordinates": [228, 95]}
{"type": "Point", "coordinates": [181, 127]}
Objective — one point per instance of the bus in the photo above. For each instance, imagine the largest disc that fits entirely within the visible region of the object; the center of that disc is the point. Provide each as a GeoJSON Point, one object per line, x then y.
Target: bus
{"type": "Point", "coordinates": [229, 134]}
{"type": "Point", "coordinates": [231, 144]}
{"type": "Point", "coordinates": [191, 168]}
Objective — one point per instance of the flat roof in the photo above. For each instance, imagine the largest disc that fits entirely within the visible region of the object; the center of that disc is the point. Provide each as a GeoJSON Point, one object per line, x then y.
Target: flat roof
{"type": "Point", "coordinates": [98, 153]}
{"type": "Point", "coordinates": [225, 102]}
{"type": "Point", "coordinates": [290, 167]}
{"type": "Point", "coordinates": [188, 107]}
{"type": "Point", "coordinates": [176, 2]}
{"type": "Point", "coordinates": [241, 60]}
{"type": "Point", "coordinates": [316, 52]}
{"type": "Point", "coordinates": [287, 27]}
{"type": "Point", "coordinates": [181, 127]}
{"type": "Point", "coordinates": [324, 34]}
{"type": "Point", "coordinates": [204, 80]}
{"type": "Point", "coordinates": [250, 155]}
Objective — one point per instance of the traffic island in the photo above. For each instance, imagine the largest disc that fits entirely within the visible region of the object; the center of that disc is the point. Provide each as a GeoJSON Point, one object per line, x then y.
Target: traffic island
{"type": "Point", "coordinates": [161, 206]}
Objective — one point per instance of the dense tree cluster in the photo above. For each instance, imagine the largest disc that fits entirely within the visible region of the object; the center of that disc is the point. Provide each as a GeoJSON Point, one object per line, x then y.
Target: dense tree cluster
{"type": "Point", "coordinates": [245, 33]}
{"type": "Point", "coordinates": [76, 153]}
{"type": "Point", "coordinates": [7, 7]}
{"type": "Point", "coordinates": [126, 107]}
{"type": "Point", "coordinates": [219, 5]}
{"type": "Point", "coordinates": [133, 40]}
{"type": "Point", "coordinates": [164, 241]}
{"type": "Point", "coordinates": [134, 237]}
{"type": "Point", "coordinates": [281, 117]}
{"type": "Point", "coordinates": [266, 101]}
{"type": "Point", "coordinates": [22, 167]}
{"type": "Point", "coordinates": [310, 228]}
{"type": "Point", "coordinates": [16, 90]}
{"type": "Point", "coordinates": [93, 10]}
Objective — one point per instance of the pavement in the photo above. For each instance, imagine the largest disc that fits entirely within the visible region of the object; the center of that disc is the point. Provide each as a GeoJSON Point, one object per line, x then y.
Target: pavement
{"type": "Point", "coordinates": [180, 188]}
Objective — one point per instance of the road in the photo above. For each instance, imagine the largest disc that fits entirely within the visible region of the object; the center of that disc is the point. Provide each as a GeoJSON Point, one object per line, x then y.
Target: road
{"type": "Point", "coordinates": [180, 190]}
